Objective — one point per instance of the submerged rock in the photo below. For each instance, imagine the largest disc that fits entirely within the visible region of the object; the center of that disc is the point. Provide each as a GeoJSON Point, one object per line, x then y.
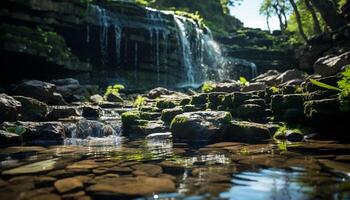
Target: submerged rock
{"type": "Point", "coordinates": [132, 186]}
{"type": "Point", "coordinates": [68, 185]}
{"type": "Point", "coordinates": [200, 126]}
{"type": "Point", "coordinates": [37, 167]}
{"type": "Point", "coordinates": [9, 108]}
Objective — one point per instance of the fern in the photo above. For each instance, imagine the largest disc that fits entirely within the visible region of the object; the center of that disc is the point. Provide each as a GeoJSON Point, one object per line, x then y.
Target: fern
{"type": "Point", "coordinates": [324, 85]}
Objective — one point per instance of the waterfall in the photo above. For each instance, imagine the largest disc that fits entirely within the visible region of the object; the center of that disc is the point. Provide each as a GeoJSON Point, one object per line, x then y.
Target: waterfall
{"type": "Point", "coordinates": [254, 70]}
{"type": "Point", "coordinates": [106, 19]}
{"type": "Point", "coordinates": [185, 47]}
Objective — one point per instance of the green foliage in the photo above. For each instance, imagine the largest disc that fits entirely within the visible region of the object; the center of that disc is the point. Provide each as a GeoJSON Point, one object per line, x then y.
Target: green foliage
{"type": "Point", "coordinates": [208, 87]}
{"type": "Point", "coordinates": [19, 130]}
{"type": "Point", "coordinates": [324, 85]}
{"type": "Point", "coordinates": [344, 86]}
{"type": "Point", "coordinates": [195, 16]}
{"type": "Point", "coordinates": [139, 102]}
{"type": "Point", "coordinates": [275, 90]}
{"type": "Point", "coordinates": [243, 81]}
{"type": "Point", "coordinates": [113, 89]}
{"type": "Point", "coordinates": [144, 2]}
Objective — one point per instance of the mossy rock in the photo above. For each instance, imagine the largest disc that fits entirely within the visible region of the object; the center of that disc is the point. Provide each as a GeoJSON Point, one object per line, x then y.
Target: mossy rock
{"type": "Point", "coordinates": [199, 99]}
{"type": "Point", "coordinates": [130, 118]}
{"type": "Point", "coordinates": [149, 115]}
{"type": "Point", "coordinates": [32, 109]}
{"type": "Point", "coordinates": [215, 99]}
{"type": "Point", "coordinates": [227, 100]}
{"type": "Point", "coordinates": [169, 114]}
{"type": "Point", "coordinates": [163, 103]}
{"type": "Point", "coordinates": [185, 101]}
{"type": "Point", "coordinates": [148, 109]}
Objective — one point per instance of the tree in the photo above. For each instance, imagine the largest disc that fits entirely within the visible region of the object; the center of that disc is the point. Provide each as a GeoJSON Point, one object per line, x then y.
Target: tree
{"type": "Point", "coordinates": [298, 18]}
{"type": "Point", "coordinates": [329, 12]}
{"type": "Point", "coordinates": [316, 23]}
{"type": "Point", "coordinates": [279, 8]}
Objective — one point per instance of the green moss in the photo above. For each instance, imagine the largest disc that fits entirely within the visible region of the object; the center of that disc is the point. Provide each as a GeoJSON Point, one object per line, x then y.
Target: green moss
{"type": "Point", "coordinates": [130, 118]}
{"type": "Point", "coordinates": [163, 103]}
{"type": "Point", "coordinates": [208, 87]}
{"type": "Point", "coordinates": [227, 118]}
{"type": "Point", "coordinates": [274, 90]}
{"type": "Point", "coordinates": [178, 120]}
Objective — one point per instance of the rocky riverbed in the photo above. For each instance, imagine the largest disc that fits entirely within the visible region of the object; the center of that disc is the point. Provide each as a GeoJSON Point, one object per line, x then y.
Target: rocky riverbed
{"type": "Point", "coordinates": [232, 139]}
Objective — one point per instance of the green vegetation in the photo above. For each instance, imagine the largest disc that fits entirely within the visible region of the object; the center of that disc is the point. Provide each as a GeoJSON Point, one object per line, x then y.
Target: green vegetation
{"type": "Point", "coordinates": [282, 131]}
{"type": "Point", "coordinates": [208, 87]}
{"type": "Point", "coordinates": [243, 81]}
{"type": "Point", "coordinates": [19, 130]}
{"type": "Point", "coordinates": [139, 102]}
{"type": "Point", "coordinates": [343, 88]}
{"type": "Point", "coordinates": [275, 90]}
{"type": "Point", "coordinates": [113, 90]}
{"type": "Point", "coordinates": [178, 120]}
{"type": "Point", "coordinates": [164, 103]}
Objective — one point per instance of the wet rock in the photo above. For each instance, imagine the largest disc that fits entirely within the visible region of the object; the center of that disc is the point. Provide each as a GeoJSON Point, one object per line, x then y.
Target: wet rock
{"type": "Point", "coordinates": [322, 108]}
{"type": "Point", "coordinates": [247, 132]}
{"type": "Point", "coordinates": [157, 92]}
{"type": "Point", "coordinates": [91, 111]}
{"type": "Point", "coordinates": [32, 109]}
{"type": "Point", "coordinates": [215, 99]}
{"type": "Point", "coordinates": [97, 99]}
{"type": "Point", "coordinates": [258, 86]}
{"type": "Point", "coordinates": [130, 118]}
{"type": "Point", "coordinates": [335, 165]}
{"type": "Point", "coordinates": [172, 167]}
{"type": "Point", "coordinates": [200, 126]}
{"type": "Point", "coordinates": [69, 88]}
{"type": "Point", "coordinates": [294, 136]}
{"type": "Point", "coordinates": [41, 91]}
{"type": "Point", "coordinates": [159, 136]}
{"type": "Point", "coordinates": [169, 114]}
{"type": "Point", "coordinates": [260, 102]}
{"type": "Point", "coordinates": [227, 87]}
{"type": "Point", "coordinates": [164, 103]}
{"type": "Point", "coordinates": [112, 97]}
{"type": "Point", "coordinates": [85, 164]}
{"type": "Point", "coordinates": [43, 131]}
{"type": "Point", "coordinates": [47, 196]}
{"type": "Point", "coordinates": [22, 149]}
{"type": "Point", "coordinates": [9, 108]}
{"type": "Point", "coordinates": [288, 107]}
{"type": "Point", "coordinates": [61, 112]}
{"type": "Point", "coordinates": [145, 128]}
{"type": "Point", "coordinates": [132, 186]}
{"type": "Point", "coordinates": [68, 185]}
{"type": "Point", "coordinates": [44, 181]}
{"type": "Point", "coordinates": [269, 77]}
{"type": "Point", "coordinates": [331, 65]}
{"type": "Point", "coordinates": [37, 167]}
{"type": "Point", "coordinates": [199, 99]}
{"type": "Point", "coordinates": [91, 128]}
{"type": "Point", "coordinates": [290, 75]}
{"type": "Point", "coordinates": [251, 111]}
{"type": "Point", "coordinates": [148, 169]}
{"type": "Point", "coordinates": [8, 139]}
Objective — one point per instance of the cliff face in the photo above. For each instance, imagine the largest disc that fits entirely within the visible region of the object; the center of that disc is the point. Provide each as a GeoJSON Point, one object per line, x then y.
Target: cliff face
{"type": "Point", "coordinates": [102, 44]}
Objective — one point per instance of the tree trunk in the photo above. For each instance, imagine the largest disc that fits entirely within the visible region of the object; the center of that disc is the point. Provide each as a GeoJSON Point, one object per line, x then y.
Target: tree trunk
{"type": "Point", "coordinates": [297, 16]}
{"type": "Point", "coordinates": [329, 13]}
{"type": "Point", "coordinates": [268, 23]}
{"type": "Point", "coordinates": [316, 23]}
{"type": "Point", "coordinates": [282, 27]}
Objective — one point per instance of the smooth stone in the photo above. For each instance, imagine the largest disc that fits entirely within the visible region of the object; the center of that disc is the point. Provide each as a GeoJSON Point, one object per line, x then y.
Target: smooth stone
{"type": "Point", "coordinates": [132, 186]}
{"type": "Point", "coordinates": [149, 169]}
{"type": "Point", "coordinates": [33, 168]}
{"type": "Point", "coordinates": [68, 185]}
{"type": "Point", "coordinates": [85, 164]}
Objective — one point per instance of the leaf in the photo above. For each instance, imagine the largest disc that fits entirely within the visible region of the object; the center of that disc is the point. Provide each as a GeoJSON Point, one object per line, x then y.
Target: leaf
{"type": "Point", "coordinates": [324, 85]}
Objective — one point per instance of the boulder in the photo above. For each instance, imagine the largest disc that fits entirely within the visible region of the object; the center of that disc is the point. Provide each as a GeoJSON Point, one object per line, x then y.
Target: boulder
{"type": "Point", "coordinates": [8, 139]}
{"type": "Point", "coordinates": [61, 112]}
{"type": "Point", "coordinates": [247, 132]}
{"type": "Point", "coordinates": [159, 136]}
{"type": "Point", "coordinates": [69, 88]}
{"type": "Point", "coordinates": [331, 65]}
{"type": "Point", "coordinates": [288, 107]}
{"type": "Point", "coordinates": [97, 99]}
{"type": "Point", "coordinates": [289, 75]}
{"type": "Point", "coordinates": [169, 114]}
{"type": "Point", "coordinates": [251, 111]}
{"type": "Point", "coordinates": [41, 91]}
{"type": "Point", "coordinates": [199, 99]}
{"type": "Point", "coordinates": [200, 126]}
{"type": "Point", "coordinates": [227, 87]}
{"type": "Point", "coordinates": [257, 86]}
{"type": "Point", "coordinates": [89, 111]}
{"type": "Point", "coordinates": [112, 97]}
{"type": "Point", "coordinates": [321, 108]}
{"type": "Point", "coordinates": [9, 108]}
{"type": "Point", "coordinates": [157, 92]}
{"type": "Point", "coordinates": [41, 131]}
{"type": "Point", "coordinates": [32, 109]}
{"type": "Point", "coordinates": [269, 78]}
